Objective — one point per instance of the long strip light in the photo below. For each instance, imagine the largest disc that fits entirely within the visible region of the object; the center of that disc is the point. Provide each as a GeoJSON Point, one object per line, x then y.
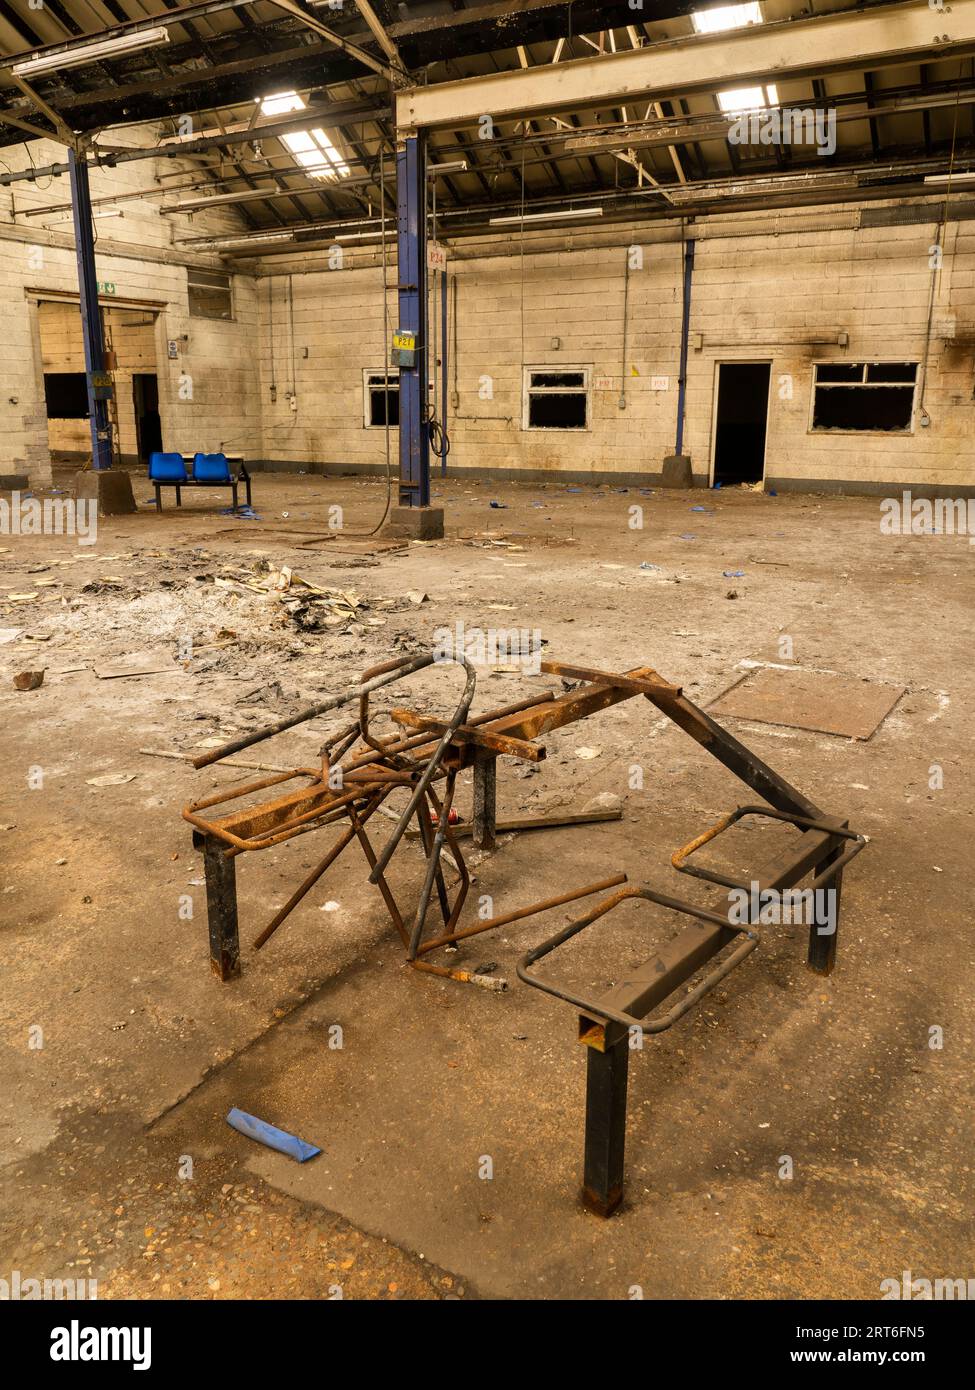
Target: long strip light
{"type": "Point", "coordinates": [221, 243]}
{"type": "Point", "coordinates": [559, 216]}
{"type": "Point", "coordinates": [950, 178]}
{"type": "Point", "coordinates": [91, 52]}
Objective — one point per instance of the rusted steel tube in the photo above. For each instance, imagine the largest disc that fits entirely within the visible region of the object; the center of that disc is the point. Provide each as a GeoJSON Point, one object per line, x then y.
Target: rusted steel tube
{"type": "Point", "coordinates": [679, 855]}
{"type": "Point", "coordinates": [316, 873]}
{"type": "Point", "coordinates": [458, 717]}
{"type": "Point", "coordinates": [466, 977]}
{"type": "Point", "coordinates": [433, 863]}
{"type": "Point", "coordinates": [525, 912]}
{"type": "Point", "coordinates": [232, 793]}
{"type": "Point", "coordinates": [403, 745]}
{"type": "Point", "coordinates": [312, 711]}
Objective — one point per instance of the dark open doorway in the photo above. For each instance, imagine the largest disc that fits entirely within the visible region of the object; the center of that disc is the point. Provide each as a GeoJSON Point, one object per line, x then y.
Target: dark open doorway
{"type": "Point", "coordinates": [145, 401]}
{"type": "Point", "coordinates": [742, 421]}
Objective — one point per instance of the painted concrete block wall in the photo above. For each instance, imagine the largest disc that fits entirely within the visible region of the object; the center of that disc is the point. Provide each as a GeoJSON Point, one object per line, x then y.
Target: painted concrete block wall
{"type": "Point", "coordinates": [752, 295]}
{"type": "Point", "coordinates": [283, 382]}
{"type": "Point", "coordinates": [336, 320]}
{"type": "Point", "coordinates": [132, 336]}
{"type": "Point", "coordinates": [208, 393]}
{"type": "Point", "coordinates": [756, 296]}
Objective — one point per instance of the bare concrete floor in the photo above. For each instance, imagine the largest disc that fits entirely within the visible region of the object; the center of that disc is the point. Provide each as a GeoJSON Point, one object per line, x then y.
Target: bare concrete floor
{"type": "Point", "coordinates": [122, 1054]}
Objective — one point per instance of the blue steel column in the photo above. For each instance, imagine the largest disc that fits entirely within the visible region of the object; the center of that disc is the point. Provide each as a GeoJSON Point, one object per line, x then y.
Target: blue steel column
{"type": "Point", "coordinates": [443, 370]}
{"type": "Point", "coordinates": [414, 436]}
{"type": "Point", "coordinates": [91, 321]}
{"type": "Point", "coordinates": [685, 328]}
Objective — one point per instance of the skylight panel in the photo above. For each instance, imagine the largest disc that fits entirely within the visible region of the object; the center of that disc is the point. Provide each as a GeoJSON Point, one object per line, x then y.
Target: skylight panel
{"type": "Point", "coordinates": [726, 17]}
{"type": "Point", "coordinates": [312, 149]}
{"type": "Point", "coordinates": [739, 100]}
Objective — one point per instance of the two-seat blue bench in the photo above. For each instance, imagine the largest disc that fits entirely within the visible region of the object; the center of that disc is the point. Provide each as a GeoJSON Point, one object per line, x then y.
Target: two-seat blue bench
{"type": "Point", "coordinates": [209, 470]}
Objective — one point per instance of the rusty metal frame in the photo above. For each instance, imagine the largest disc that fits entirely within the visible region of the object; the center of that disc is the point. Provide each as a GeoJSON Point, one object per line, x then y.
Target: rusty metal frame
{"type": "Point", "coordinates": [436, 751]}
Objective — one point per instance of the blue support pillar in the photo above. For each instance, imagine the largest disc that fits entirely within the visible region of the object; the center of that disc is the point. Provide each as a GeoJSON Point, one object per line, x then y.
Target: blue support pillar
{"type": "Point", "coordinates": [91, 322]}
{"type": "Point", "coordinates": [685, 330]}
{"type": "Point", "coordinates": [443, 371]}
{"type": "Point", "coordinates": [414, 436]}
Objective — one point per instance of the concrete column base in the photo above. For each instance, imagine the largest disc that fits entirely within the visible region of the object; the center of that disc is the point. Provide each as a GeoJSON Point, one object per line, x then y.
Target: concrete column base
{"type": "Point", "coordinates": [415, 523]}
{"type": "Point", "coordinates": [111, 488]}
{"type": "Point", "coordinates": [677, 471]}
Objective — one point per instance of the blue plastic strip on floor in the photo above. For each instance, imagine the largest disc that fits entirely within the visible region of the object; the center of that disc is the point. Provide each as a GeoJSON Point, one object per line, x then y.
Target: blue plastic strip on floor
{"type": "Point", "coordinates": [264, 1133]}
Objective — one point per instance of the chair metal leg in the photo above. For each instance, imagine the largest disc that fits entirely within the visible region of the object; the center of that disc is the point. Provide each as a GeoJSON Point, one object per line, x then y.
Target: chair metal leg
{"type": "Point", "coordinates": [485, 797]}
{"type": "Point", "coordinates": [158, 498]}
{"type": "Point", "coordinates": [221, 881]}
{"type": "Point", "coordinates": [606, 1082]}
{"type": "Point", "coordinates": [825, 929]}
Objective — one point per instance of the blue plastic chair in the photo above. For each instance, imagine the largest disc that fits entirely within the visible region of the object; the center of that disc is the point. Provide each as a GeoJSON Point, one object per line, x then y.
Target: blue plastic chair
{"type": "Point", "coordinates": [211, 468]}
{"type": "Point", "coordinates": [167, 468]}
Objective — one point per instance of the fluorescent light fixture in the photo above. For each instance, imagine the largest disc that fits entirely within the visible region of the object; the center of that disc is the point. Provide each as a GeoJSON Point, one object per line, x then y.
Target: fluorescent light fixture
{"type": "Point", "coordinates": [546, 216]}
{"type": "Point", "coordinates": [738, 101]}
{"type": "Point", "coordinates": [773, 184]}
{"type": "Point", "coordinates": [220, 243]}
{"type": "Point", "coordinates": [452, 166]}
{"type": "Point", "coordinates": [949, 178]}
{"type": "Point", "coordinates": [91, 52]}
{"type": "Point", "coordinates": [363, 236]}
{"type": "Point", "coordinates": [724, 17]}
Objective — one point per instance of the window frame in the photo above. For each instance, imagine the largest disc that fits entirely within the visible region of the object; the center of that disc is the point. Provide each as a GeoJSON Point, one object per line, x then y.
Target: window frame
{"type": "Point", "coordinates": [861, 385]}
{"type": "Point", "coordinates": [368, 372]}
{"type": "Point", "coordinates": [195, 313]}
{"type": "Point", "coordinates": [527, 391]}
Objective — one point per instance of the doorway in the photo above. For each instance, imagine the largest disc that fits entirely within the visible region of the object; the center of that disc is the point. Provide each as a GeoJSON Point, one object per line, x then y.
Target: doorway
{"type": "Point", "coordinates": [741, 422]}
{"type": "Point", "coordinates": [145, 403]}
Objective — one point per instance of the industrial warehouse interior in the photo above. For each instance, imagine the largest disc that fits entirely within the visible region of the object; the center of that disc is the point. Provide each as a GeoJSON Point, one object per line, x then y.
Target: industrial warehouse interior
{"type": "Point", "coordinates": [486, 507]}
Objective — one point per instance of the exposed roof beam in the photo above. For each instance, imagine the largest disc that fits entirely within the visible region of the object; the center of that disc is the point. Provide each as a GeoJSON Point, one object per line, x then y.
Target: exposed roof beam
{"type": "Point", "coordinates": [379, 33]}
{"type": "Point", "coordinates": [717, 125]}
{"type": "Point", "coordinates": [884, 36]}
{"type": "Point", "coordinates": [61, 131]}
{"type": "Point", "coordinates": [397, 75]}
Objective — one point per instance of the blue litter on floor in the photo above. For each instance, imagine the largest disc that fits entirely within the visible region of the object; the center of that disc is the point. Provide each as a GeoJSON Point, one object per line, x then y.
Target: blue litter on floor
{"type": "Point", "coordinates": [733, 574]}
{"type": "Point", "coordinates": [272, 1138]}
{"type": "Point", "coordinates": [688, 536]}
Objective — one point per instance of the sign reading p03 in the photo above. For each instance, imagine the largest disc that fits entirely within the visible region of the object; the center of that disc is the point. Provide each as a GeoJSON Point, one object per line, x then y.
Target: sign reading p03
{"type": "Point", "coordinates": [404, 348]}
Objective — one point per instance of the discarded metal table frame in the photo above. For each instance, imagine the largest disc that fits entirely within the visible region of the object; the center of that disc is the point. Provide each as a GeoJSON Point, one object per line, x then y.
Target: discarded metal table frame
{"type": "Point", "coordinates": [359, 770]}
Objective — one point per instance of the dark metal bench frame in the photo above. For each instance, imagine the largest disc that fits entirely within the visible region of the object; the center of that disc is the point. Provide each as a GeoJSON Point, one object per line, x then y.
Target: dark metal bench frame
{"type": "Point", "coordinates": [242, 476]}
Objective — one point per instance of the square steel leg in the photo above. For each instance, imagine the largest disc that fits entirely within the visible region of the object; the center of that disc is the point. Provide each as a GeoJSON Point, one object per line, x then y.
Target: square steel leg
{"type": "Point", "coordinates": [485, 798]}
{"type": "Point", "coordinates": [823, 933]}
{"type": "Point", "coordinates": [221, 881]}
{"type": "Point", "coordinates": [606, 1080]}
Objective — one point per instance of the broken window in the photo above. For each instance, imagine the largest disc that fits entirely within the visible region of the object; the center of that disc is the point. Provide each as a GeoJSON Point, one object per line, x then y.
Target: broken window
{"type": "Point", "coordinates": [873, 396]}
{"type": "Point", "coordinates": [556, 398]}
{"type": "Point", "coordinates": [210, 294]}
{"type": "Point", "coordinates": [66, 395]}
{"type": "Point", "coordinates": [381, 400]}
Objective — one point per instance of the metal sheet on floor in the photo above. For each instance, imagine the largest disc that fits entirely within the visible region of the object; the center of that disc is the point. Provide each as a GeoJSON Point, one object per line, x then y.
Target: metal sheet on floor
{"type": "Point", "coordinates": [821, 701]}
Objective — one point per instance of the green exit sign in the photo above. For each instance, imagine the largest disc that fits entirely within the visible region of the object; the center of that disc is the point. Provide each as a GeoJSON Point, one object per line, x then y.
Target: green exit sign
{"type": "Point", "coordinates": [106, 287]}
